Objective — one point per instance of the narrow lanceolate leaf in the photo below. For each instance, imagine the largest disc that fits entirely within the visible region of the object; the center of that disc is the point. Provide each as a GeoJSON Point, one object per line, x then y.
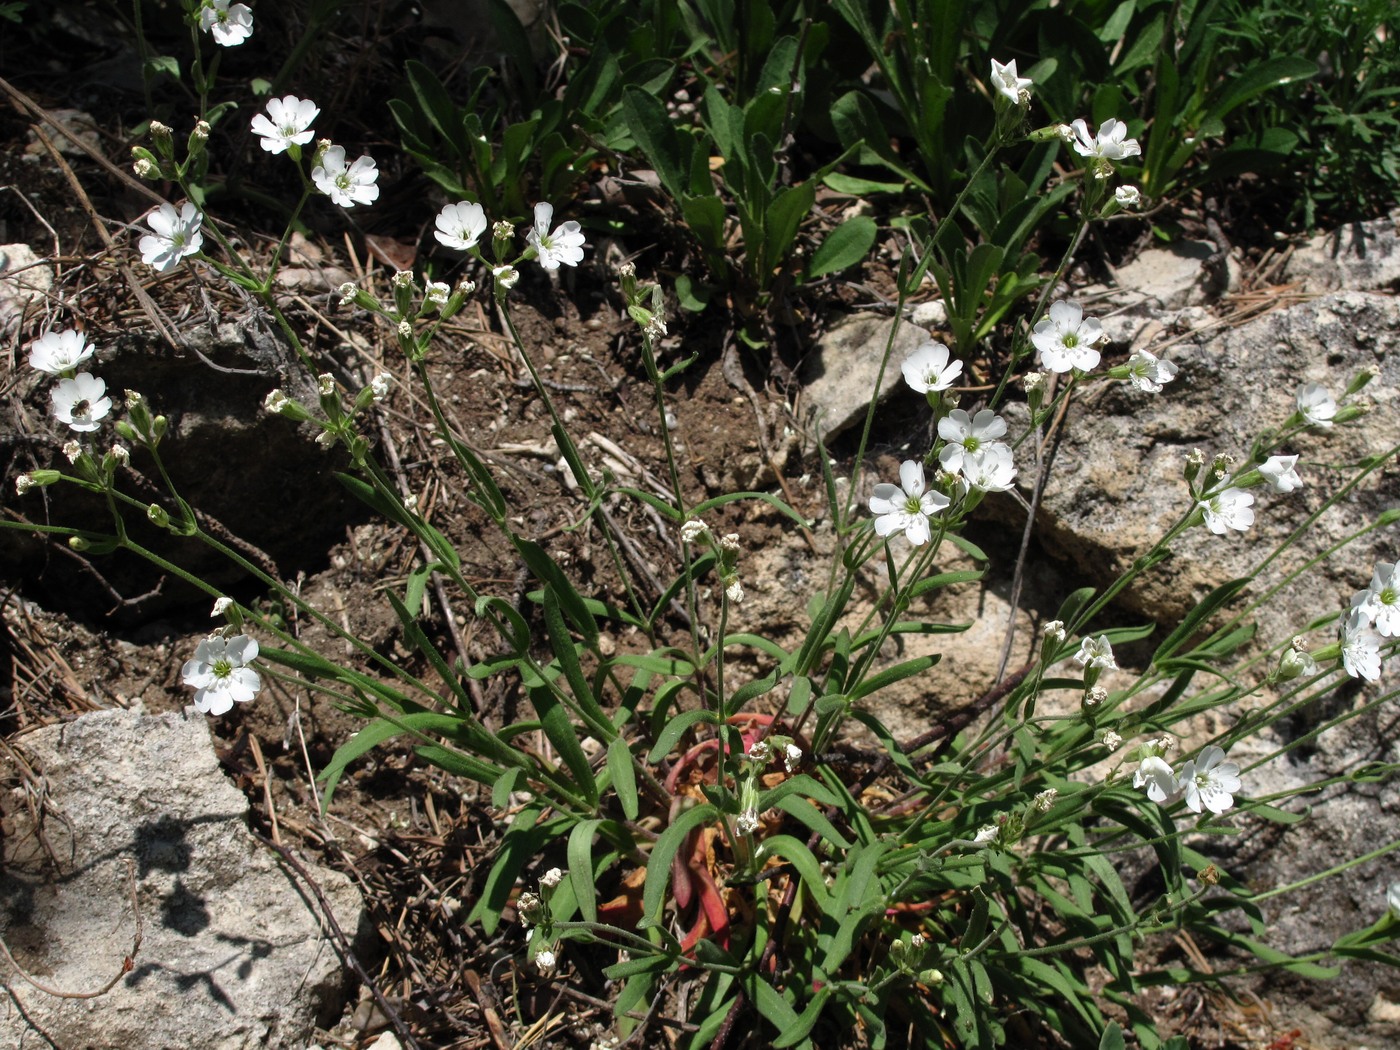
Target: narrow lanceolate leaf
{"type": "Point", "coordinates": [665, 850]}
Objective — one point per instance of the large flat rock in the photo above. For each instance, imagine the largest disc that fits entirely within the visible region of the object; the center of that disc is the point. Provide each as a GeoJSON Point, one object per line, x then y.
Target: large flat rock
{"type": "Point", "coordinates": [233, 955]}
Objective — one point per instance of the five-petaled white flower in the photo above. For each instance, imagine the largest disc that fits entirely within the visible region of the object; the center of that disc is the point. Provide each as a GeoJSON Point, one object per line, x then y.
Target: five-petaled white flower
{"type": "Point", "coordinates": [564, 245]}
{"type": "Point", "coordinates": [59, 352]}
{"type": "Point", "coordinates": [1280, 474]}
{"type": "Point", "coordinates": [1380, 603]}
{"type": "Point", "coordinates": [1230, 509]}
{"type": "Point", "coordinates": [460, 226]}
{"type": "Point", "coordinates": [967, 435]}
{"type": "Point", "coordinates": [907, 506]}
{"type": "Point", "coordinates": [1361, 647]}
{"type": "Point", "coordinates": [1067, 339]}
{"type": "Point", "coordinates": [1155, 774]}
{"type": "Point", "coordinates": [228, 23]}
{"type": "Point", "coordinates": [989, 469]}
{"type": "Point", "coordinates": [1209, 782]}
{"type": "Point", "coordinates": [1127, 196]}
{"type": "Point", "coordinates": [1316, 405]}
{"type": "Point", "coordinates": [81, 402]}
{"type": "Point", "coordinates": [176, 236]}
{"type": "Point", "coordinates": [1096, 652]}
{"type": "Point", "coordinates": [1008, 84]}
{"type": "Point", "coordinates": [928, 369]}
{"type": "Point", "coordinates": [1111, 142]}
{"type": "Point", "coordinates": [347, 186]}
{"type": "Point", "coordinates": [286, 123]}
{"type": "Point", "coordinates": [1148, 372]}
{"type": "Point", "coordinates": [220, 675]}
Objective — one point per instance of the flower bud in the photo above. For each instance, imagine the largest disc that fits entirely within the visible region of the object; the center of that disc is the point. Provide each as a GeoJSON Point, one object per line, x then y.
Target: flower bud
{"type": "Point", "coordinates": [161, 135]}
{"type": "Point", "coordinates": [1296, 662]}
{"type": "Point", "coordinates": [1052, 637]}
{"type": "Point", "coordinates": [198, 138]}
{"type": "Point", "coordinates": [502, 237]}
{"type": "Point", "coordinates": [158, 515]}
{"type": "Point", "coordinates": [1195, 459]}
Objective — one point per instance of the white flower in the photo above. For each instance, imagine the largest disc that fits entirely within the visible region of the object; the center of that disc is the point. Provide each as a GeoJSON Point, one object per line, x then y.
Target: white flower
{"type": "Point", "coordinates": [1045, 799]}
{"type": "Point", "coordinates": [72, 451]}
{"type": "Point", "coordinates": [59, 352]}
{"type": "Point", "coordinates": [986, 835]}
{"type": "Point", "coordinates": [545, 962]}
{"type": "Point", "coordinates": [1316, 405]}
{"type": "Point", "coordinates": [1230, 509]}
{"type": "Point", "coordinates": [460, 226]}
{"type": "Point", "coordinates": [1279, 473]}
{"type": "Point", "coordinates": [379, 386]}
{"type": "Point", "coordinates": [928, 369]}
{"type": "Point", "coordinates": [792, 755]}
{"type": "Point", "coordinates": [347, 186]}
{"type": "Point", "coordinates": [1066, 339]}
{"type": "Point", "coordinates": [220, 675]}
{"type": "Point", "coordinates": [760, 752]}
{"type": "Point", "coordinates": [221, 606]}
{"type": "Point", "coordinates": [23, 484]}
{"type": "Point", "coordinates": [287, 123]}
{"type": "Point", "coordinates": [506, 277]}
{"type": "Point", "coordinates": [692, 530]}
{"type": "Point", "coordinates": [1066, 134]}
{"type": "Point", "coordinates": [907, 511]}
{"type": "Point", "coordinates": [729, 542]}
{"type": "Point", "coordinates": [1096, 652]}
{"type": "Point", "coordinates": [275, 401]}
{"type": "Point", "coordinates": [552, 878]}
{"type": "Point", "coordinates": [564, 245]}
{"type": "Point", "coordinates": [176, 236]}
{"type": "Point", "coordinates": [734, 591]}
{"type": "Point", "coordinates": [1005, 81]}
{"type": "Point", "coordinates": [989, 469]}
{"type": "Point", "coordinates": [1361, 647]}
{"type": "Point", "coordinates": [229, 24]}
{"type": "Point", "coordinates": [1111, 142]}
{"type": "Point", "coordinates": [1095, 695]}
{"type": "Point", "coordinates": [1127, 196]}
{"type": "Point", "coordinates": [1111, 740]}
{"type": "Point", "coordinates": [1380, 603]}
{"type": "Point", "coordinates": [1156, 775]}
{"type": "Point", "coordinates": [81, 402]}
{"type": "Point", "coordinates": [1149, 372]}
{"type": "Point", "coordinates": [967, 435]}
{"type": "Point", "coordinates": [1209, 782]}
{"type": "Point", "coordinates": [120, 454]}
{"type": "Point", "coordinates": [747, 822]}
{"type": "Point", "coordinates": [436, 294]}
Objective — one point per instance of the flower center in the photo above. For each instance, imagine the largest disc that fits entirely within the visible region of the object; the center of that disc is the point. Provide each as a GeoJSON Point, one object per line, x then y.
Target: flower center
{"type": "Point", "coordinates": [81, 408]}
{"type": "Point", "coordinates": [1070, 340]}
{"type": "Point", "coordinates": [222, 668]}
{"type": "Point", "coordinates": [343, 180]}
{"type": "Point", "coordinates": [971, 443]}
{"type": "Point", "coordinates": [913, 506]}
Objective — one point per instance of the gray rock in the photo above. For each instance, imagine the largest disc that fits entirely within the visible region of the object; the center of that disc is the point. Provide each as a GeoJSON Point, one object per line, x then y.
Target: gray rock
{"type": "Point", "coordinates": [1364, 256]}
{"type": "Point", "coordinates": [233, 956]}
{"type": "Point", "coordinates": [839, 376]}
{"type": "Point", "coordinates": [1153, 290]}
{"type": "Point", "coordinates": [24, 280]}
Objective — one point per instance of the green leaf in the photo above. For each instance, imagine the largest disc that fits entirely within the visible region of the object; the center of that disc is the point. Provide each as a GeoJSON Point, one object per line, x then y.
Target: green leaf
{"type": "Point", "coordinates": [656, 137]}
{"type": "Point", "coordinates": [803, 811]}
{"type": "Point", "coordinates": [801, 784]}
{"type": "Point", "coordinates": [1112, 1038]}
{"type": "Point", "coordinates": [857, 187]}
{"type": "Point", "coordinates": [624, 780]}
{"type": "Point", "coordinates": [890, 675]}
{"type": "Point", "coordinates": [782, 219]}
{"type": "Point", "coordinates": [1253, 82]}
{"type": "Point", "coordinates": [559, 728]}
{"type": "Point", "coordinates": [675, 728]}
{"type": "Point", "coordinates": [844, 246]}
{"type": "Point", "coordinates": [157, 65]}
{"type": "Point", "coordinates": [520, 843]}
{"type": "Point", "coordinates": [562, 644]}
{"type": "Point", "coordinates": [1198, 616]}
{"type": "Point", "coordinates": [665, 850]}
{"type": "Point", "coordinates": [504, 787]}
{"type": "Point", "coordinates": [796, 853]}
{"type": "Point", "coordinates": [776, 1010]}
{"type": "Point", "coordinates": [580, 854]}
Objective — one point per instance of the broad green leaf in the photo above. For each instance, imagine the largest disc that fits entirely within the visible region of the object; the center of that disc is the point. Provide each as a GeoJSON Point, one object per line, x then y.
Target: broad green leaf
{"type": "Point", "coordinates": [844, 246]}
{"type": "Point", "coordinates": [624, 780]}
{"type": "Point", "coordinates": [674, 730]}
